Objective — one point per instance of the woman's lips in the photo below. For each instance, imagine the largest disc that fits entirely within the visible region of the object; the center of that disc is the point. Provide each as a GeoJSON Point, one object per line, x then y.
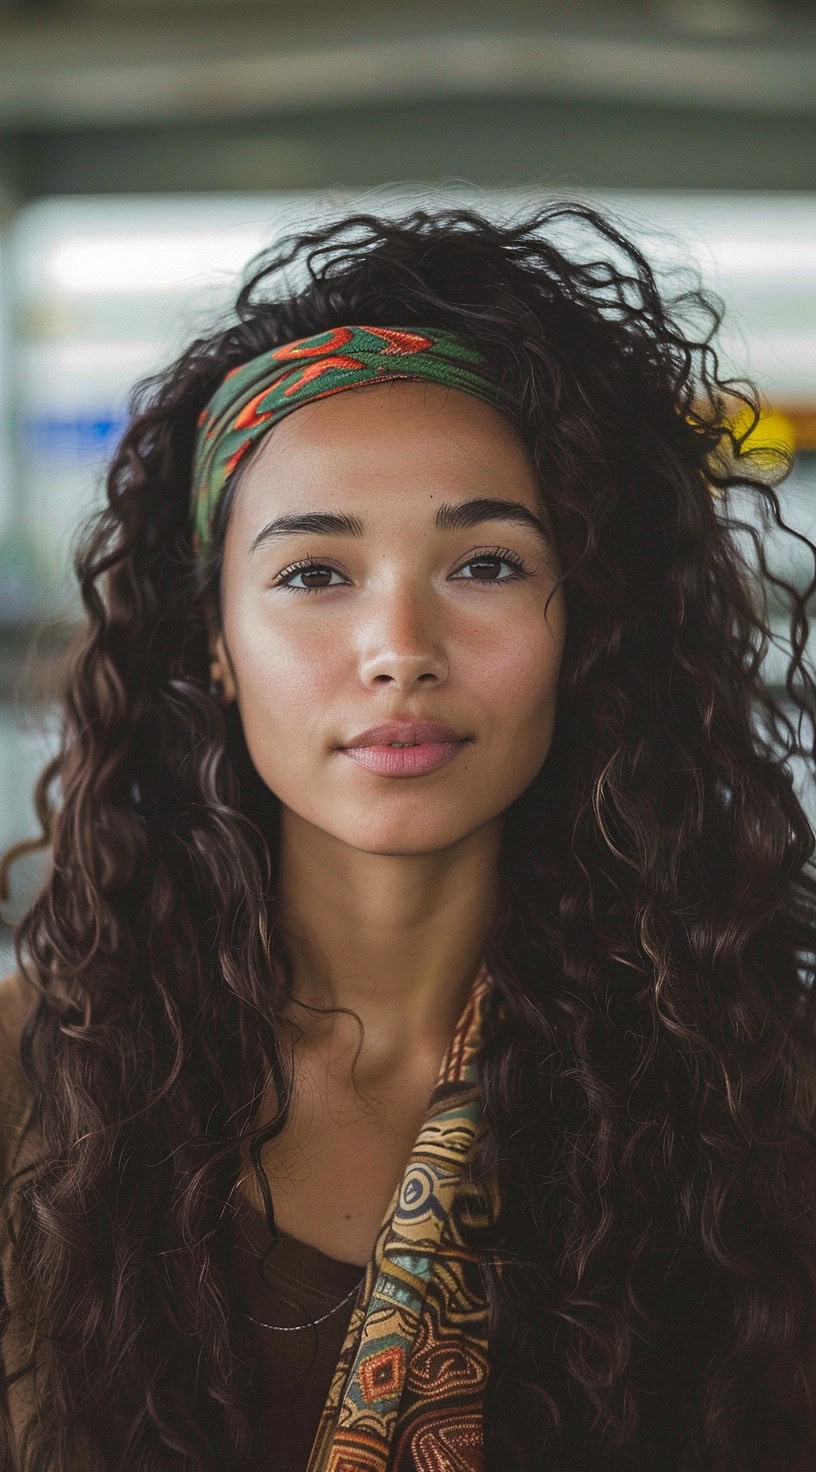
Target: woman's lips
{"type": "Point", "coordinates": [406, 761]}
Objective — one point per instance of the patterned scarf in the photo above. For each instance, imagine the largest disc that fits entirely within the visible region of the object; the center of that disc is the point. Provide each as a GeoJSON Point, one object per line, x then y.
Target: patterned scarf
{"type": "Point", "coordinates": [255, 395]}
{"type": "Point", "coordinates": [407, 1391]}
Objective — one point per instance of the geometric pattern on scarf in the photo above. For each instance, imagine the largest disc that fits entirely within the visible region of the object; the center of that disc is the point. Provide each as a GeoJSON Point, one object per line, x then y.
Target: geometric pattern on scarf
{"type": "Point", "coordinates": [256, 395]}
{"type": "Point", "coordinates": [408, 1389]}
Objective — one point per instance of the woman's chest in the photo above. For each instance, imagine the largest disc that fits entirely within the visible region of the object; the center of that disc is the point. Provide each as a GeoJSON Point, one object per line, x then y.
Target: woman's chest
{"type": "Point", "coordinates": [333, 1170]}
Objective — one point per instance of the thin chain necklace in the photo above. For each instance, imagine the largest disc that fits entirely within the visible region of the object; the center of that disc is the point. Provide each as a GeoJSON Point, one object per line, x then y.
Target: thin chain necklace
{"type": "Point", "coordinates": [311, 1323]}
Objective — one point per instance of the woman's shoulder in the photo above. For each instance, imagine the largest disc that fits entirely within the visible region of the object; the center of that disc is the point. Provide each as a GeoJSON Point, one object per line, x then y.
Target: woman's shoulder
{"type": "Point", "coordinates": [17, 1001]}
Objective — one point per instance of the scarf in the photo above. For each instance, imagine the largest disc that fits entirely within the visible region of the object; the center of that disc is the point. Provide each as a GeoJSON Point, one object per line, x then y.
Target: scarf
{"type": "Point", "coordinates": [407, 1391]}
{"type": "Point", "coordinates": [255, 395]}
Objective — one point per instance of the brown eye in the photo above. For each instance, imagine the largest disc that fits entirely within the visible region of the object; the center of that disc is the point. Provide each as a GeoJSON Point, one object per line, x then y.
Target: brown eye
{"type": "Point", "coordinates": [488, 561]}
{"type": "Point", "coordinates": [309, 567]}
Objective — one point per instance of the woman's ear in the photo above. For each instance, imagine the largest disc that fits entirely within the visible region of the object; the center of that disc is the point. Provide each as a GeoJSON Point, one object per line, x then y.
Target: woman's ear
{"type": "Point", "coordinates": [222, 680]}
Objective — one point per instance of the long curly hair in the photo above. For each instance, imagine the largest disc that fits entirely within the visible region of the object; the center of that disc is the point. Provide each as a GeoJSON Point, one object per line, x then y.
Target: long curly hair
{"type": "Point", "coordinates": [649, 1070]}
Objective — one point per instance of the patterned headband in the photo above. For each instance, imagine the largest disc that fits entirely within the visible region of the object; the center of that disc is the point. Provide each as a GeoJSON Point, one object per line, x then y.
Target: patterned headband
{"type": "Point", "coordinates": [257, 394]}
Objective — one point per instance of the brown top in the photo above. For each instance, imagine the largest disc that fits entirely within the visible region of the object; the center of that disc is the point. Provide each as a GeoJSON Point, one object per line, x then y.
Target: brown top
{"type": "Point", "coordinates": [291, 1372]}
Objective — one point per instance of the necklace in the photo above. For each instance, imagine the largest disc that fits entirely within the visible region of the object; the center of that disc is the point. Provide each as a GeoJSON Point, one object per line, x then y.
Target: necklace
{"type": "Point", "coordinates": [311, 1323]}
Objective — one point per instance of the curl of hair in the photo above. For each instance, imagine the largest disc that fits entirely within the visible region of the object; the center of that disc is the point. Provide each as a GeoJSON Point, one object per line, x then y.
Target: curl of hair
{"type": "Point", "coordinates": [649, 1080]}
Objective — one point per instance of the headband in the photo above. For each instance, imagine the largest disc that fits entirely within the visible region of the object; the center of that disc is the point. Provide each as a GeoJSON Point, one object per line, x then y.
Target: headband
{"type": "Point", "coordinates": [255, 395]}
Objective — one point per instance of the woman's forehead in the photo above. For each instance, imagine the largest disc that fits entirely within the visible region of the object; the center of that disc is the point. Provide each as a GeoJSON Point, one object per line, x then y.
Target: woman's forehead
{"type": "Point", "coordinates": [403, 434]}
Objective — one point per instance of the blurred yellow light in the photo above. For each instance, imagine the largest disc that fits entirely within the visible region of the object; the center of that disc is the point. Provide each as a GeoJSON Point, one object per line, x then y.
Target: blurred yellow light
{"type": "Point", "coordinates": [773, 430]}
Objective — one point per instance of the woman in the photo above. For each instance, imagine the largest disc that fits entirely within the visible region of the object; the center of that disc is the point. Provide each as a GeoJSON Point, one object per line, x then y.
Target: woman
{"type": "Point", "coordinates": [439, 1107]}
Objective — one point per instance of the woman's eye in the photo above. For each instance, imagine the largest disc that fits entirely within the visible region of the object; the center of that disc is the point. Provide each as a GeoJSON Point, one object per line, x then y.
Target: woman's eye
{"type": "Point", "coordinates": [485, 563]}
{"type": "Point", "coordinates": [303, 569]}
{"type": "Point", "coordinates": [490, 560]}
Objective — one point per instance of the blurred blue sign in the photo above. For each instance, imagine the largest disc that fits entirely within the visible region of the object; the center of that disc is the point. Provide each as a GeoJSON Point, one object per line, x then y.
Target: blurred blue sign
{"type": "Point", "coordinates": [75, 438]}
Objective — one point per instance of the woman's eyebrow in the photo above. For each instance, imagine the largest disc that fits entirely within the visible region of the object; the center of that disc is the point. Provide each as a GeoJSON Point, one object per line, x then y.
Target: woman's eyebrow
{"type": "Point", "coordinates": [450, 516]}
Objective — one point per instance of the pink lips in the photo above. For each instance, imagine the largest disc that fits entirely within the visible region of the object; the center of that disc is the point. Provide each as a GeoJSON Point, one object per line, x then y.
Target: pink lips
{"type": "Point", "coordinates": [403, 730]}
{"type": "Point", "coordinates": [433, 744]}
{"type": "Point", "coordinates": [408, 761]}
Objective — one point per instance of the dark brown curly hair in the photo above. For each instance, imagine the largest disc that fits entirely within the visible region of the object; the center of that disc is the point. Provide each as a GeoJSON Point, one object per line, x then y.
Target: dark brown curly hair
{"type": "Point", "coordinates": [649, 1073]}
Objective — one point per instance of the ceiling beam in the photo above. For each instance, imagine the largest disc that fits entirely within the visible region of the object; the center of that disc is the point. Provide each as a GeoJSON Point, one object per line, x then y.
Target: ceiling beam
{"type": "Point", "coordinates": [129, 73]}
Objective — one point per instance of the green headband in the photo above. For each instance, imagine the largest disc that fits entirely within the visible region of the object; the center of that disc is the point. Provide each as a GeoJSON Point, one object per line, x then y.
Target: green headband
{"type": "Point", "coordinates": [257, 394]}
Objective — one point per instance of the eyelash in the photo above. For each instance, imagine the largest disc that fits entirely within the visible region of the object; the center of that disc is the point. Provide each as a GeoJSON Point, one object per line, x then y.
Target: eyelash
{"type": "Point", "coordinates": [498, 554]}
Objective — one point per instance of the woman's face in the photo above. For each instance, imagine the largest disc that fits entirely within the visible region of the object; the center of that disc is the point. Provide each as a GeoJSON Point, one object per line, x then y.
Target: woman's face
{"type": "Point", "coordinates": [406, 618]}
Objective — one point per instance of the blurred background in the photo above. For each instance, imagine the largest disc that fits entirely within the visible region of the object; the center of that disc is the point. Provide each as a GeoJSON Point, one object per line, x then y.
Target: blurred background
{"type": "Point", "coordinates": [147, 150]}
